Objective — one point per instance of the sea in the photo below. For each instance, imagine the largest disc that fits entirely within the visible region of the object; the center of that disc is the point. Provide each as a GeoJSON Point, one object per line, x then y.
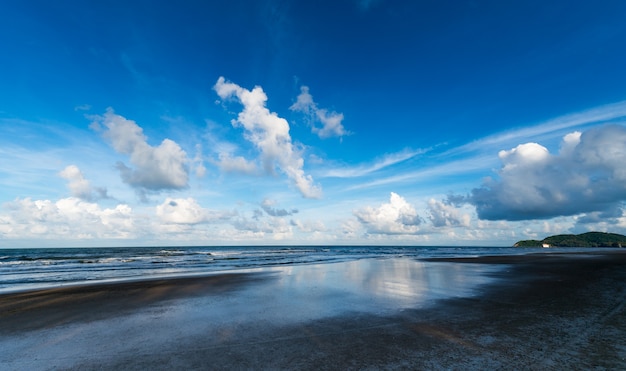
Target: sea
{"type": "Point", "coordinates": [37, 268]}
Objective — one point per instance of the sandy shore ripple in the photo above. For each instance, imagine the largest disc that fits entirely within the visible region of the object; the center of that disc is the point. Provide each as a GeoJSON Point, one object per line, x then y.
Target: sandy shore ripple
{"type": "Point", "coordinates": [542, 311]}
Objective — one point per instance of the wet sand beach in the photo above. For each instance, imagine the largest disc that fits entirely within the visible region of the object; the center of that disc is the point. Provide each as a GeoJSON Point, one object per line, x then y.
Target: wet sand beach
{"type": "Point", "coordinates": [539, 311]}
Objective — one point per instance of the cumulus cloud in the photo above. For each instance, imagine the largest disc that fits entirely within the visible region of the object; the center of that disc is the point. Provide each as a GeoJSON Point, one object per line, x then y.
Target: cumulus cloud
{"type": "Point", "coordinates": [331, 122]}
{"type": "Point", "coordinates": [81, 187]}
{"type": "Point", "coordinates": [187, 211]}
{"type": "Point", "coordinates": [267, 206]}
{"type": "Point", "coordinates": [309, 226]}
{"type": "Point", "coordinates": [235, 164]}
{"type": "Point", "coordinates": [395, 217]}
{"type": "Point", "coordinates": [277, 228]}
{"type": "Point", "coordinates": [67, 218]}
{"type": "Point", "coordinates": [613, 220]}
{"type": "Point", "coordinates": [587, 175]}
{"type": "Point", "coordinates": [154, 168]}
{"type": "Point", "coordinates": [609, 216]}
{"type": "Point", "coordinates": [445, 214]}
{"type": "Point", "coordinates": [270, 134]}
{"type": "Point", "coordinates": [570, 141]}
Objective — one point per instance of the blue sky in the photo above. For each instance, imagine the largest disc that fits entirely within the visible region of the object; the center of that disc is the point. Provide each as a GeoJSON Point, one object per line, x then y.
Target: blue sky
{"type": "Point", "coordinates": [301, 122]}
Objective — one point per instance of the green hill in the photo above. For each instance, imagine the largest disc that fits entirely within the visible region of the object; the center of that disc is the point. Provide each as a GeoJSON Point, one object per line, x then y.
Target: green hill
{"type": "Point", "coordinates": [589, 239]}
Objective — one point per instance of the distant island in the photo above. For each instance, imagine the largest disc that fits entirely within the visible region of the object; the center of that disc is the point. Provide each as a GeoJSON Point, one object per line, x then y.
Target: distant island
{"type": "Point", "coordinates": [589, 239]}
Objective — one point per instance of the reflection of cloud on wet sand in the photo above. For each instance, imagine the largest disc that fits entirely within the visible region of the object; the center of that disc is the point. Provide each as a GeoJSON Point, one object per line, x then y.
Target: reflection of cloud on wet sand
{"type": "Point", "coordinates": [388, 283]}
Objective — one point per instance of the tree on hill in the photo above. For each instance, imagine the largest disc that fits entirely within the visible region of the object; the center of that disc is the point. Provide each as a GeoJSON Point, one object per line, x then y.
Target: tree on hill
{"type": "Point", "coordinates": [589, 239]}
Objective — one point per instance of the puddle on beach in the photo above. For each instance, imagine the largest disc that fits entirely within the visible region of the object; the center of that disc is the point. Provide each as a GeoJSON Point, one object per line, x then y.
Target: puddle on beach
{"type": "Point", "coordinates": [375, 286]}
{"type": "Point", "coordinates": [395, 283]}
{"type": "Point", "coordinates": [379, 284]}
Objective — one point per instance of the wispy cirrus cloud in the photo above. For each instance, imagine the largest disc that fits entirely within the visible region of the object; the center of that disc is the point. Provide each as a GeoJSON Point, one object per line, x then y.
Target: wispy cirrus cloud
{"type": "Point", "coordinates": [451, 168]}
{"type": "Point", "coordinates": [481, 154]}
{"type": "Point", "coordinates": [376, 165]}
{"type": "Point", "coordinates": [554, 127]}
{"type": "Point", "coordinates": [33, 153]}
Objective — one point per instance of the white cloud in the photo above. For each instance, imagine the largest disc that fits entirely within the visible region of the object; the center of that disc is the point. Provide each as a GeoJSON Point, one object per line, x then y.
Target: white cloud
{"type": "Point", "coordinates": [155, 168]}
{"type": "Point", "coordinates": [587, 175]}
{"type": "Point", "coordinates": [350, 229]}
{"type": "Point", "coordinates": [477, 155]}
{"type": "Point", "coordinates": [67, 218]}
{"type": "Point", "coordinates": [275, 228]}
{"type": "Point", "coordinates": [570, 141]}
{"type": "Point", "coordinates": [331, 121]}
{"type": "Point", "coordinates": [444, 214]}
{"type": "Point", "coordinates": [529, 155]}
{"type": "Point", "coordinates": [236, 164]}
{"type": "Point", "coordinates": [395, 217]}
{"type": "Point", "coordinates": [226, 160]}
{"type": "Point", "coordinates": [379, 164]}
{"type": "Point", "coordinates": [456, 168]}
{"type": "Point", "coordinates": [187, 211]}
{"type": "Point", "coordinates": [267, 206]}
{"type": "Point", "coordinates": [613, 221]}
{"type": "Point", "coordinates": [180, 211]}
{"type": "Point", "coordinates": [74, 221]}
{"type": "Point", "coordinates": [270, 134]}
{"type": "Point", "coordinates": [593, 116]}
{"type": "Point", "coordinates": [309, 226]}
{"type": "Point", "coordinates": [79, 186]}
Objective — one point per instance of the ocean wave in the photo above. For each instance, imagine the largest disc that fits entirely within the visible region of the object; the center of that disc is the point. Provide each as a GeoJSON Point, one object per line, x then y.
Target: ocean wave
{"type": "Point", "coordinates": [172, 252]}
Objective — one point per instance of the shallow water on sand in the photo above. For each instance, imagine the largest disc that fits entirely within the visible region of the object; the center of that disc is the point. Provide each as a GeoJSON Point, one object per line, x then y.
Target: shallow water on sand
{"type": "Point", "coordinates": [372, 285]}
{"type": "Point", "coordinates": [281, 296]}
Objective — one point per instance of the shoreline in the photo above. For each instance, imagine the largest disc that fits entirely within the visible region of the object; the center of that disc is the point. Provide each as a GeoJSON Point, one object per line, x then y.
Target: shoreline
{"type": "Point", "coordinates": [36, 269]}
{"type": "Point", "coordinates": [73, 302]}
{"type": "Point", "coordinates": [542, 311]}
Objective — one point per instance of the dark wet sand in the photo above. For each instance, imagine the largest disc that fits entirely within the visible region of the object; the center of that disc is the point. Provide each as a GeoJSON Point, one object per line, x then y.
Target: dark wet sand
{"type": "Point", "coordinates": [546, 311]}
